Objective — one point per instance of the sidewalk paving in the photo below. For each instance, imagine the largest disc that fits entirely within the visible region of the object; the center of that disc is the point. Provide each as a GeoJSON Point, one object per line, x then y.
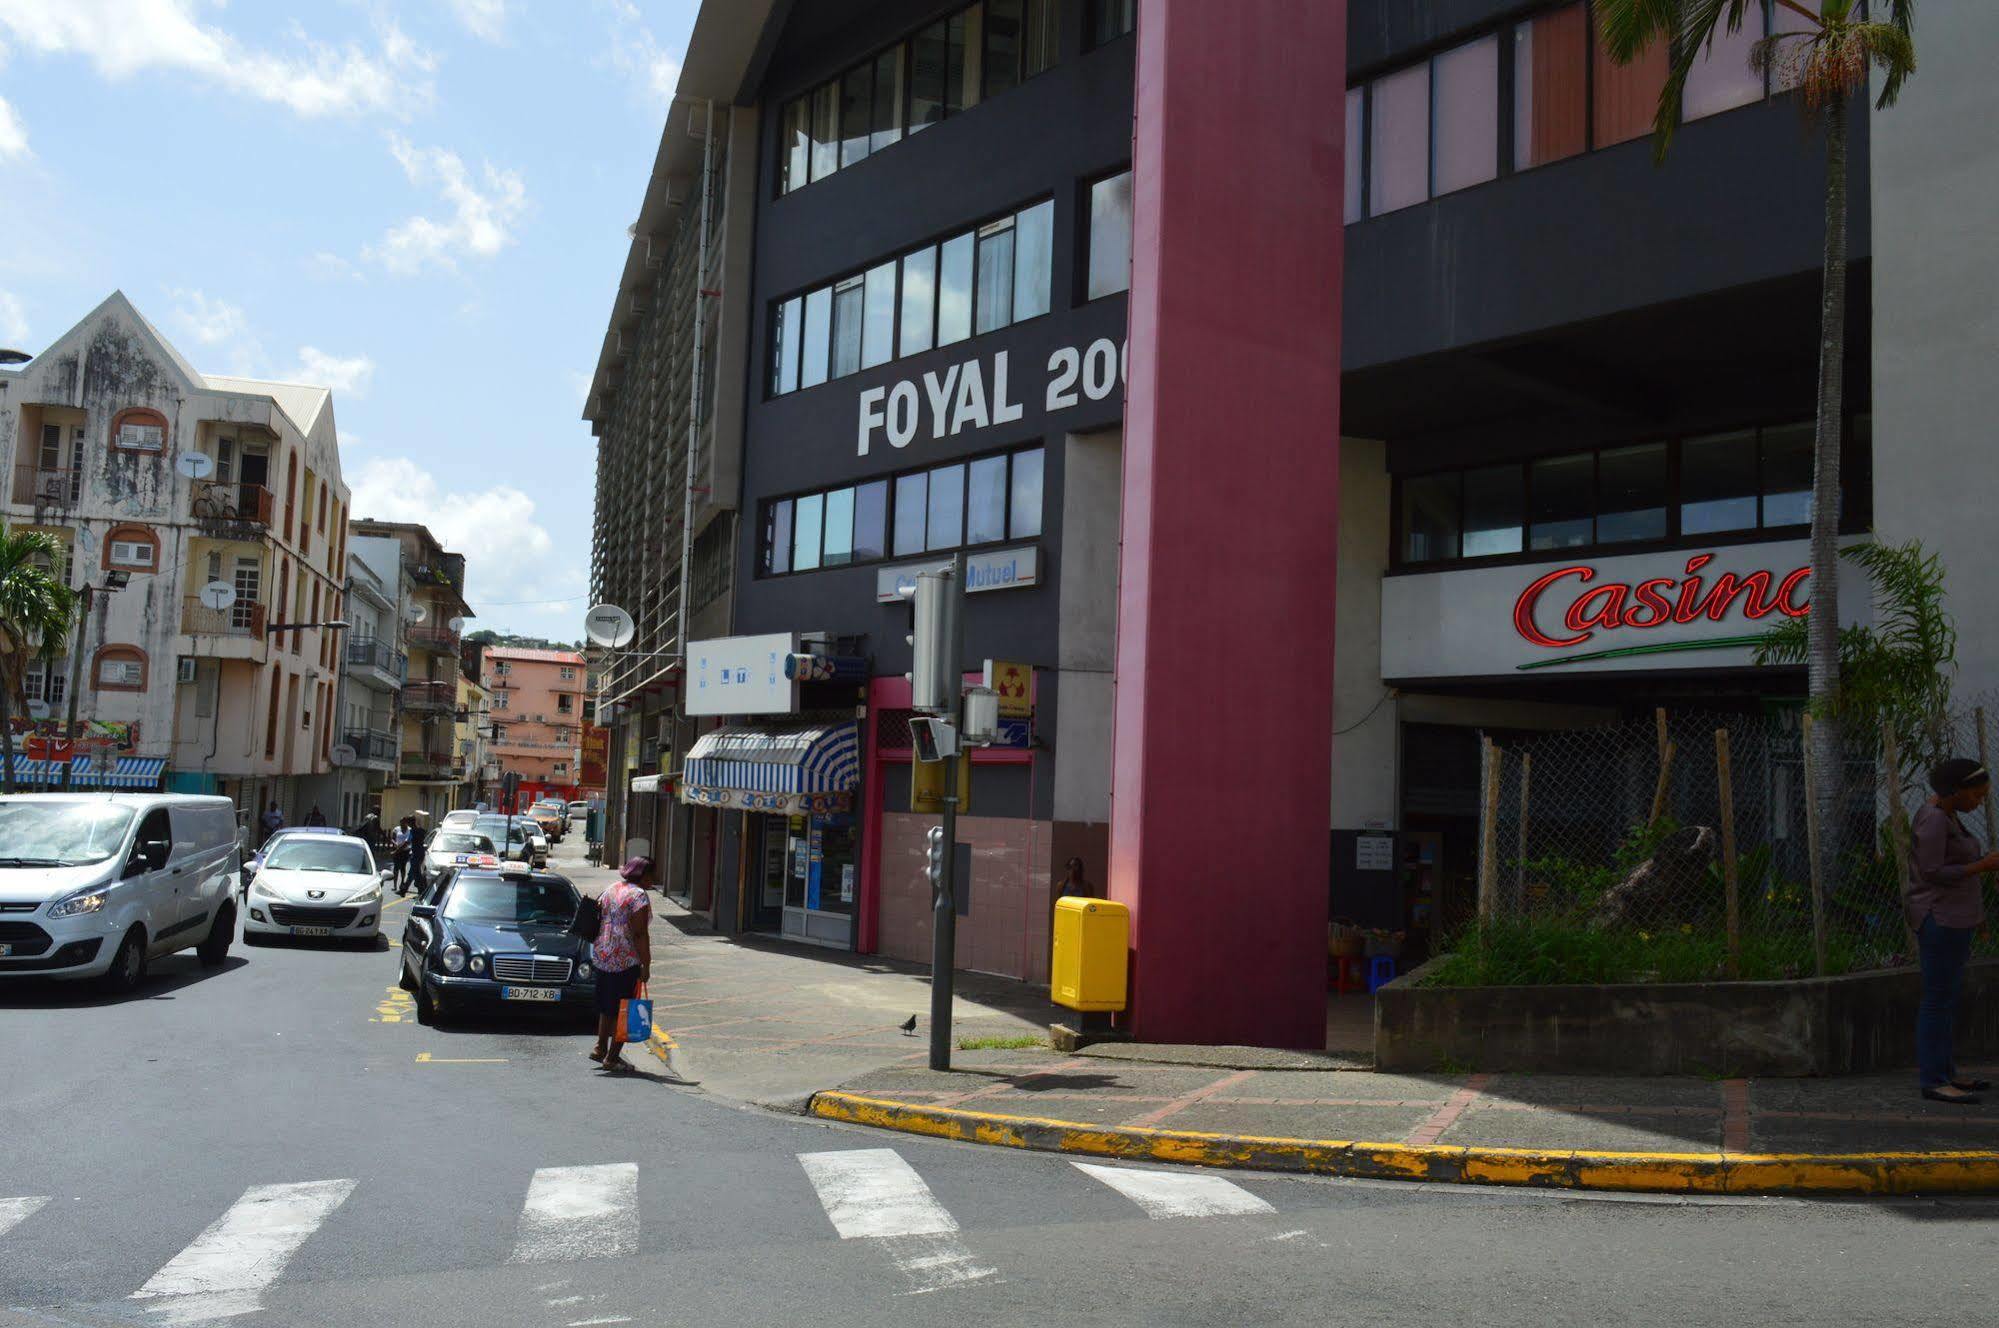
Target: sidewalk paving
{"type": "Point", "coordinates": [785, 1025]}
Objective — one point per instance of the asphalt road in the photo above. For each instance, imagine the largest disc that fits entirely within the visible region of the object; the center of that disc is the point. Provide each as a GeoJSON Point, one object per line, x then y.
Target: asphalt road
{"type": "Point", "coordinates": [279, 1142]}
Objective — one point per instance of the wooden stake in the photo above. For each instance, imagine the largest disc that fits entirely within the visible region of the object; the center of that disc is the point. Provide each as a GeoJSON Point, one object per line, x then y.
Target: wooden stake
{"type": "Point", "coordinates": [1665, 783]}
{"type": "Point", "coordinates": [1664, 742]}
{"type": "Point", "coordinates": [1728, 873]}
{"type": "Point", "coordinates": [1812, 850]}
{"type": "Point", "coordinates": [1488, 834]}
{"type": "Point", "coordinates": [1520, 870]}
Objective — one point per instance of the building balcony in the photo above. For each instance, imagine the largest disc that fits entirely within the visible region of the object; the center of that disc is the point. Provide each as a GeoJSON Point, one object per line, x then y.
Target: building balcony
{"type": "Point", "coordinates": [48, 487]}
{"type": "Point", "coordinates": [430, 698]}
{"type": "Point", "coordinates": [448, 570]}
{"type": "Point", "coordinates": [373, 659]}
{"type": "Point", "coordinates": [244, 619]}
{"type": "Point", "coordinates": [431, 768]}
{"type": "Point", "coordinates": [373, 748]}
{"type": "Point", "coordinates": [437, 639]}
{"type": "Point", "coordinates": [232, 511]}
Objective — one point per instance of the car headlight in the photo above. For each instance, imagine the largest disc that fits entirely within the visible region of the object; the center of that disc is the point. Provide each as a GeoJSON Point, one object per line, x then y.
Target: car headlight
{"type": "Point", "coordinates": [478, 963]}
{"type": "Point", "coordinates": [91, 901]}
{"type": "Point", "coordinates": [454, 957]}
{"type": "Point", "coordinates": [262, 891]}
{"type": "Point", "coordinates": [368, 894]}
{"type": "Point", "coordinates": [584, 972]}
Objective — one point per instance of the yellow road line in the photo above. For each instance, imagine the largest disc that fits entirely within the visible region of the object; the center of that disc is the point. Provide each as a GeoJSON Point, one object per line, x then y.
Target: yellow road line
{"type": "Point", "coordinates": [1586, 1169]}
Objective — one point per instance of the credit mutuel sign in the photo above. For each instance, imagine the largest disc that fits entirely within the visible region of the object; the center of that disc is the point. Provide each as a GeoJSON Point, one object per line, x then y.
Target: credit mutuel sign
{"type": "Point", "coordinates": [1693, 609]}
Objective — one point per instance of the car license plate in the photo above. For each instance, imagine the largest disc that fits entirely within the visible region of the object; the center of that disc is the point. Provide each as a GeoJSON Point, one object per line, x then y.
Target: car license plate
{"type": "Point", "coordinates": [530, 994]}
{"type": "Point", "coordinates": [312, 931]}
{"type": "Point", "coordinates": [462, 858]}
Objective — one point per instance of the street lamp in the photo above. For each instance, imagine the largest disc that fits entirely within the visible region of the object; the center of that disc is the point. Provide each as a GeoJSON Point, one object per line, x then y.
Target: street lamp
{"type": "Point", "coordinates": [14, 356]}
{"type": "Point", "coordinates": [113, 582]}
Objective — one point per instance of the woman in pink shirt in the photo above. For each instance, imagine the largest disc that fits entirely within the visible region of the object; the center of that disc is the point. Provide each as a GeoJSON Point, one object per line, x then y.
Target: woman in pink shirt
{"type": "Point", "coordinates": [621, 956]}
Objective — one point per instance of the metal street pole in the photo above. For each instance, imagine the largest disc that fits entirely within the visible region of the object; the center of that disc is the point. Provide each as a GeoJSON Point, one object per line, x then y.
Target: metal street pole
{"type": "Point", "coordinates": [75, 683]}
{"type": "Point", "coordinates": [944, 906]}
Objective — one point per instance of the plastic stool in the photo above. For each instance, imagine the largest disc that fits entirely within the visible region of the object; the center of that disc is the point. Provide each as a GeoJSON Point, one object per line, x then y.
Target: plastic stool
{"type": "Point", "coordinates": [1380, 972]}
{"type": "Point", "coordinates": [1349, 973]}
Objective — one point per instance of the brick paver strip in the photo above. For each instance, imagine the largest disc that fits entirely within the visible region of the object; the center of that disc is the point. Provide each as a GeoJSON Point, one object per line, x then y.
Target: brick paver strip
{"type": "Point", "coordinates": [1181, 1103]}
{"type": "Point", "coordinates": [1445, 1116]}
{"type": "Point", "coordinates": [1879, 1118]}
{"type": "Point", "coordinates": [1735, 1115]}
{"type": "Point", "coordinates": [1013, 1081]}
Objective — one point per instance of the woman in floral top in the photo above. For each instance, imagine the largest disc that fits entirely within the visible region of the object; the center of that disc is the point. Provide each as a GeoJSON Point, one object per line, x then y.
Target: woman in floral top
{"type": "Point", "coordinates": [622, 956]}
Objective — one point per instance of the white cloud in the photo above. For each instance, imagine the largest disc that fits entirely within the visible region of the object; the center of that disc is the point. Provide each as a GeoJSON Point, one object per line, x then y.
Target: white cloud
{"type": "Point", "coordinates": [13, 134]}
{"type": "Point", "coordinates": [210, 322]}
{"type": "Point", "coordinates": [637, 54]}
{"type": "Point", "coordinates": [125, 38]}
{"type": "Point", "coordinates": [483, 212]}
{"type": "Point", "coordinates": [494, 528]}
{"type": "Point", "coordinates": [346, 375]}
{"type": "Point", "coordinates": [324, 266]}
{"type": "Point", "coordinates": [13, 321]}
{"type": "Point", "coordinates": [485, 19]}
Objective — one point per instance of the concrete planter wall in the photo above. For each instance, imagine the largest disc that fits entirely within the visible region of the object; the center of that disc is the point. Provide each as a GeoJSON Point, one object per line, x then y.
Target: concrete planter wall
{"type": "Point", "coordinates": [1844, 1025]}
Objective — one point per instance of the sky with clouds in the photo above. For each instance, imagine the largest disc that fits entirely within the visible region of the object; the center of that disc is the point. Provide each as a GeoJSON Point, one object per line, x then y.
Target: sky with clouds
{"type": "Point", "coordinates": [419, 203]}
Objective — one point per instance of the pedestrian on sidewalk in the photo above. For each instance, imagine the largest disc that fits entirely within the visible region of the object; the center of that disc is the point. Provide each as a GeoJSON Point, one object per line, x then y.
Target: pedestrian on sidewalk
{"type": "Point", "coordinates": [1944, 906]}
{"type": "Point", "coordinates": [399, 851]}
{"type": "Point", "coordinates": [273, 821]}
{"type": "Point", "coordinates": [419, 841]}
{"type": "Point", "coordinates": [315, 816]}
{"type": "Point", "coordinates": [622, 956]}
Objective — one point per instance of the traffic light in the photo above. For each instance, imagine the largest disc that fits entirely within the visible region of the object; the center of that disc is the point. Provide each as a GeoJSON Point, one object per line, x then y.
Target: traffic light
{"type": "Point", "coordinates": [933, 857]}
{"type": "Point", "coordinates": [936, 674]}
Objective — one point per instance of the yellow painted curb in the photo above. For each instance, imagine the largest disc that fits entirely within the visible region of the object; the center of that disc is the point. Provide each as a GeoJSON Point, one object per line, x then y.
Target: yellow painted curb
{"type": "Point", "coordinates": [1680, 1173]}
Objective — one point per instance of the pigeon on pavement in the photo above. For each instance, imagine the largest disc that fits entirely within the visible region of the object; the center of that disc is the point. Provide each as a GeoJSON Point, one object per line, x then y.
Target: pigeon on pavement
{"type": "Point", "coordinates": [909, 1027]}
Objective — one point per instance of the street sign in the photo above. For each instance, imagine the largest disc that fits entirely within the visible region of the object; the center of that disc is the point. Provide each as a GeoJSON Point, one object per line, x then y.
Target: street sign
{"type": "Point", "coordinates": [1015, 685]}
{"type": "Point", "coordinates": [1012, 733]}
{"type": "Point", "coordinates": [42, 748]}
{"type": "Point", "coordinates": [218, 595]}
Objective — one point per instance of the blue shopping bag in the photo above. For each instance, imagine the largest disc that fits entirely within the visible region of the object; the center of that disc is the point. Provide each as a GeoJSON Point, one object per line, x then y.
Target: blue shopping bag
{"type": "Point", "coordinates": [637, 1016]}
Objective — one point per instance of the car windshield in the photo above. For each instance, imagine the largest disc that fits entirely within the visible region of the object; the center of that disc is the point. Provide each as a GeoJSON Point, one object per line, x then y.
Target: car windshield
{"type": "Point", "coordinates": [60, 834]}
{"type": "Point", "coordinates": [516, 833]}
{"type": "Point", "coordinates": [461, 841]}
{"type": "Point", "coordinates": [548, 899]}
{"type": "Point", "coordinates": [309, 853]}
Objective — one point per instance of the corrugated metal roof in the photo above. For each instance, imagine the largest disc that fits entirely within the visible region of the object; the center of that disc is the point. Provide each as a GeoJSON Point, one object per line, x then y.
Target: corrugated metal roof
{"type": "Point", "coordinates": [300, 401]}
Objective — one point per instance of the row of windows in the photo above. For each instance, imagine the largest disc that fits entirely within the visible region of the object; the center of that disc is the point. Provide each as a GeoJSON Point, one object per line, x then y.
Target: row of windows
{"type": "Point", "coordinates": [1437, 126]}
{"type": "Point", "coordinates": [980, 51]}
{"type": "Point", "coordinates": [987, 501]}
{"type": "Point", "coordinates": [984, 279]}
{"type": "Point", "coordinates": [1724, 483]}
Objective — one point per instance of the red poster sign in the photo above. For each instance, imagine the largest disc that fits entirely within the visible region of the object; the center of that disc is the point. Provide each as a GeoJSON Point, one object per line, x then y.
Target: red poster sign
{"type": "Point", "coordinates": [596, 745]}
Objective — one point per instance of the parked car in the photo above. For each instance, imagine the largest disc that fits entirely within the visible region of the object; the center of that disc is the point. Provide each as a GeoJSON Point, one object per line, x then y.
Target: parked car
{"type": "Point", "coordinates": [496, 936]}
{"type": "Point", "coordinates": [451, 847]}
{"type": "Point", "coordinates": [461, 819]}
{"type": "Point", "coordinates": [515, 838]}
{"type": "Point", "coordinates": [578, 810]}
{"type": "Point", "coordinates": [97, 885]}
{"type": "Point", "coordinates": [317, 886]}
{"type": "Point", "coordinates": [256, 860]}
{"type": "Point", "coordinates": [551, 817]}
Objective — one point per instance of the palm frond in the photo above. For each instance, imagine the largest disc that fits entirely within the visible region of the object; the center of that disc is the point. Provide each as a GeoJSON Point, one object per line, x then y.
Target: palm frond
{"type": "Point", "coordinates": [1890, 48]}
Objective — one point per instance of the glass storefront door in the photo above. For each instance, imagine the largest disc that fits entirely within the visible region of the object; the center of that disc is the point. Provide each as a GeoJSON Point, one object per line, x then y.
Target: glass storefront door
{"type": "Point", "coordinates": [821, 867]}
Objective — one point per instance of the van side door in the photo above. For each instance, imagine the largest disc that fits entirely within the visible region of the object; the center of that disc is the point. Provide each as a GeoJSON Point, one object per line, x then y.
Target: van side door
{"type": "Point", "coordinates": [203, 837]}
{"type": "Point", "coordinates": [154, 887]}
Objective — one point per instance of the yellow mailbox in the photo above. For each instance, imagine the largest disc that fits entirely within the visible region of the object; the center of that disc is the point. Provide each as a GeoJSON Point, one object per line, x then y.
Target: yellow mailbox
{"type": "Point", "coordinates": [1091, 939]}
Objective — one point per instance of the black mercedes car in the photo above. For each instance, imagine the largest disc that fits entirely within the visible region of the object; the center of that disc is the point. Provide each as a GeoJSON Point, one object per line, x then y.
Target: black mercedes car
{"type": "Point", "coordinates": [494, 936]}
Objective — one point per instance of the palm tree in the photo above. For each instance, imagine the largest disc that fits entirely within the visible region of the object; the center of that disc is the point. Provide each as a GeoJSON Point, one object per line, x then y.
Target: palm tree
{"type": "Point", "coordinates": [36, 608]}
{"type": "Point", "coordinates": [1831, 58]}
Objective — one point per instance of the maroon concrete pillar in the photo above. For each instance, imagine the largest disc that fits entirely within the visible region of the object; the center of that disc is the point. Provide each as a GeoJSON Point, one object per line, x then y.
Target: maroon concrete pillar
{"type": "Point", "coordinates": [1222, 760]}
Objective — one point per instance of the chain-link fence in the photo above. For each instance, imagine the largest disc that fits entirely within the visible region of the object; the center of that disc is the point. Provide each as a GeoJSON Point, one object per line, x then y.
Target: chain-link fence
{"type": "Point", "coordinates": [1679, 849]}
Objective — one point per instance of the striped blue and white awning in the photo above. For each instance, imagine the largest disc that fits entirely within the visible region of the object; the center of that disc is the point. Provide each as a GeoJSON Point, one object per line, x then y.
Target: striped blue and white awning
{"type": "Point", "coordinates": [789, 772]}
{"type": "Point", "coordinates": [141, 772]}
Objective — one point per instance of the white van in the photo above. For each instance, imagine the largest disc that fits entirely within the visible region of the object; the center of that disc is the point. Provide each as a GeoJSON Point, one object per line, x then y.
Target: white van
{"type": "Point", "coordinates": [96, 885]}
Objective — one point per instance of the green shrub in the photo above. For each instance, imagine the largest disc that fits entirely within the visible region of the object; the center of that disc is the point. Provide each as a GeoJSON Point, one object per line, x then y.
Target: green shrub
{"type": "Point", "coordinates": [1539, 952]}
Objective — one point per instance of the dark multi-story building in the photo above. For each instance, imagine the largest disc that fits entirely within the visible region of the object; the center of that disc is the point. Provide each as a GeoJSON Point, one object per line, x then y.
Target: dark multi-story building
{"type": "Point", "coordinates": [1574, 386]}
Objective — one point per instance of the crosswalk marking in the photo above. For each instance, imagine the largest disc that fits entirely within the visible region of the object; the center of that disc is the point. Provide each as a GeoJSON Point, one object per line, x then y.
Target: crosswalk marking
{"type": "Point", "coordinates": [579, 1213]}
{"type": "Point", "coordinates": [873, 1194]}
{"type": "Point", "coordinates": [13, 1212]}
{"type": "Point", "coordinates": [242, 1252]}
{"type": "Point", "coordinates": [1177, 1194]}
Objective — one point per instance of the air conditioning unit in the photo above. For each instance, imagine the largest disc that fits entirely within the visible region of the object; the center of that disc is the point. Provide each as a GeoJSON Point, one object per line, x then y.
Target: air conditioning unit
{"type": "Point", "coordinates": [188, 666]}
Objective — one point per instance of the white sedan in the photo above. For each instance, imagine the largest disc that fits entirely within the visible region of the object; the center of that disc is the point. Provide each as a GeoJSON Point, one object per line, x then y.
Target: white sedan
{"type": "Point", "coordinates": [318, 886]}
{"type": "Point", "coordinates": [453, 848]}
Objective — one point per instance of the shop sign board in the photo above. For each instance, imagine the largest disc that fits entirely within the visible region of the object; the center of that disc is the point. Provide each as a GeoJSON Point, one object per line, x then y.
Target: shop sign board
{"type": "Point", "coordinates": [1014, 684]}
{"type": "Point", "coordinates": [596, 744]}
{"type": "Point", "coordinates": [1685, 609]}
{"type": "Point", "coordinates": [741, 675]}
{"type": "Point", "coordinates": [998, 569]}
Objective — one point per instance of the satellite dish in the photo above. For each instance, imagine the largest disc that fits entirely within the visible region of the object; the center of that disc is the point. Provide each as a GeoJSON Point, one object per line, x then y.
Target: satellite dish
{"type": "Point", "coordinates": [342, 754]}
{"type": "Point", "coordinates": [218, 595]}
{"type": "Point", "coordinates": [38, 710]}
{"type": "Point", "coordinates": [609, 625]}
{"type": "Point", "coordinates": [456, 624]}
{"type": "Point", "coordinates": [418, 613]}
{"type": "Point", "coordinates": [195, 465]}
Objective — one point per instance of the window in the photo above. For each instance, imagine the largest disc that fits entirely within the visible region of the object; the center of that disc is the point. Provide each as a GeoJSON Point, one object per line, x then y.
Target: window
{"type": "Point", "coordinates": [139, 430]}
{"type": "Point", "coordinates": [565, 703]}
{"type": "Point", "coordinates": [986, 279]}
{"type": "Point", "coordinates": [131, 553]}
{"type": "Point", "coordinates": [46, 680]}
{"type": "Point", "coordinates": [1399, 140]}
{"type": "Point", "coordinates": [1626, 97]}
{"type": "Point", "coordinates": [1722, 77]}
{"type": "Point", "coordinates": [1430, 518]}
{"type": "Point", "coordinates": [1110, 236]}
{"type": "Point", "coordinates": [131, 548]}
{"type": "Point", "coordinates": [1787, 475]}
{"type": "Point", "coordinates": [567, 675]}
{"type": "Point", "coordinates": [1561, 502]}
{"type": "Point", "coordinates": [1355, 155]}
{"type": "Point", "coordinates": [500, 700]}
{"type": "Point", "coordinates": [1466, 91]}
{"type": "Point", "coordinates": [981, 51]}
{"type": "Point", "coordinates": [1110, 19]}
{"type": "Point", "coordinates": [120, 669]}
{"type": "Point", "coordinates": [1631, 494]}
{"type": "Point", "coordinates": [1550, 87]}
{"type": "Point", "coordinates": [986, 501]}
{"type": "Point", "coordinates": [1493, 504]}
